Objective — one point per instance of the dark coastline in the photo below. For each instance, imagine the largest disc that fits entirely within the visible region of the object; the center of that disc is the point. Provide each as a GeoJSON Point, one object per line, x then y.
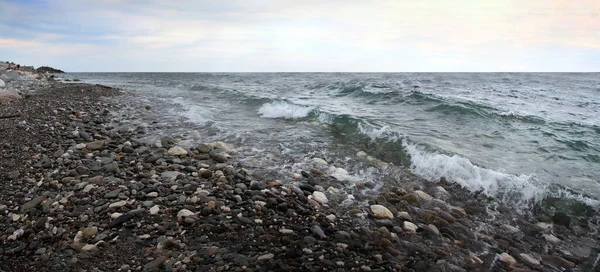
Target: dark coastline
{"type": "Point", "coordinates": [65, 170]}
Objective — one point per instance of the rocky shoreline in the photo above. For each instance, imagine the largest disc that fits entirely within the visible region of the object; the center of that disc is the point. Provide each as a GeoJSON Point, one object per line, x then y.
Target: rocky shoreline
{"type": "Point", "coordinates": [78, 193]}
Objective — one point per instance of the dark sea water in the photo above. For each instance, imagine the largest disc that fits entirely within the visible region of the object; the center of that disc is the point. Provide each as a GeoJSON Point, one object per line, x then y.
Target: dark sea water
{"type": "Point", "coordinates": [518, 137]}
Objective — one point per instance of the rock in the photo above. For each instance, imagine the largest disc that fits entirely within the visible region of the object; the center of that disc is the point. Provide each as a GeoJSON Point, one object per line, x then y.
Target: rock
{"type": "Point", "coordinates": [405, 216]}
{"type": "Point", "coordinates": [265, 257]}
{"type": "Point", "coordinates": [319, 161]}
{"type": "Point", "coordinates": [152, 195]}
{"type": "Point", "coordinates": [80, 146]}
{"type": "Point", "coordinates": [112, 194]}
{"type": "Point", "coordinates": [170, 175]}
{"type": "Point", "coordinates": [152, 265]}
{"type": "Point", "coordinates": [220, 157]}
{"type": "Point", "coordinates": [529, 259]}
{"type": "Point", "coordinates": [381, 212]}
{"type": "Point", "coordinates": [257, 185]}
{"type": "Point", "coordinates": [95, 145]}
{"type": "Point", "coordinates": [410, 227]}
{"type": "Point", "coordinates": [118, 204]}
{"type": "Point", "coordinates": [205, 173]}
{"type": "Point", "coordinates": [88, 248]}
{"type": "Point", "coordinates": [316, 230]}
{"type": "Point", "coordinates": [154, 210]}
{"type": "Point", "coordinates": [167, 142]}
{"type": "Point", "coordinates": [32, 203]}
{"type": "Point", "coordinates": [177, 151]}
{"type": "Point", "coordinates": [12, 75]}
{"type": "Point", "coordinates": [412, 199]}
{"type": "Point", "coordinates": [204, 148]}
{"type": "Point", "coordinates": [457, 210]}
{"type": "Point", "coordinates": [122, 219]}
{"type": "Point", "coordinates": [88, 233]}
{"type": "Point", "coordinates": [320, 197]}
{"type": "Point", "coordinates": [423, 195]}
{"type": "Point", "coordinates": [558, 261]}
{"type": "Point", "coordinates": [2, 84]}
{"type": "Point", "coordinates": [508, 259]}
{"type": "Point", "coordinates": [184, 213]}
{"type": "Point", "coordinates": [111, 167]}
{"type": "Point", "coordinates": [331, 218]}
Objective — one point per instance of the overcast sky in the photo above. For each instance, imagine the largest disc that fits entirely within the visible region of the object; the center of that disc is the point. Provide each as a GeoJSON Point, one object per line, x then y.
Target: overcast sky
{"type": "Point", "coordinates": [305, 35]}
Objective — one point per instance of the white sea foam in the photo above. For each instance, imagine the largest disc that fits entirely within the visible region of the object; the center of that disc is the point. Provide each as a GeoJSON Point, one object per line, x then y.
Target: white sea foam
{"type": "Point", "coordinates": [281, 109]}
{"type": "Point", "coordinates": [519, 191]}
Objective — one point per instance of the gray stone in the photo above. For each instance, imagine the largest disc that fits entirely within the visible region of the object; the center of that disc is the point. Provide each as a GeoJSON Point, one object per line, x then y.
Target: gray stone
{"type": "Point", "coordinates": [168, 142]}
{"type": "Point", "coordinates": [111, 167]}
{"type": "Point", "coordinates": [95, 145]}
{"type": "Point", "coordinates": [112, 194]}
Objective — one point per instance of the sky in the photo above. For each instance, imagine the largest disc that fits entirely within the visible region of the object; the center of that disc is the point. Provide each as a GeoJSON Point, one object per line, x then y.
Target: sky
{"type": "Point", "coordinates": [302, 36]}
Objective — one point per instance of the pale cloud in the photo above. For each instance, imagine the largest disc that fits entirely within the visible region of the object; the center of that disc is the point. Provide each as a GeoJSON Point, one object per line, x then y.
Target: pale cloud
{"type": "Point", "coordinates": [308, 35]}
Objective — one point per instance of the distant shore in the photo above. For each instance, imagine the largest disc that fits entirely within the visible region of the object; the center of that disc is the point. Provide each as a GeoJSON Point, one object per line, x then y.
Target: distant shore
{"type": "Point", "coordinates": [79, 194]}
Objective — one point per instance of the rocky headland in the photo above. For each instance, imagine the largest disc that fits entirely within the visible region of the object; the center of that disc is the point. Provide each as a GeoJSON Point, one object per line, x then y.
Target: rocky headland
{"type": "Point", "coordinates": [80, 192]}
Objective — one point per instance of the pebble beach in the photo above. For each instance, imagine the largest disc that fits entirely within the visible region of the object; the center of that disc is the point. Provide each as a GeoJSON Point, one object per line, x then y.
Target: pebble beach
{"type": "Point", "coordinates": [80, 193]}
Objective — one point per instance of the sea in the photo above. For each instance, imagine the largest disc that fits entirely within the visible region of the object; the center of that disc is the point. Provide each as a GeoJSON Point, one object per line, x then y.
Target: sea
{"type": "Point", "coordinates": [519, 138]}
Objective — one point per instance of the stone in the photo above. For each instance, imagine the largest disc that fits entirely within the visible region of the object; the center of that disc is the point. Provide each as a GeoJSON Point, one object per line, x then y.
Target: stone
{"type": "Point", "coordinates": [2, 84]}
{"type": "Point", "coordinates": [95, 145]}
{"type": "Point", "coordinates": [319, 161]}
{"type": "Point", "coordinates": [88, 188]}
{"type": "Point", "coordinates": [80, 146]}
{"type": "Point", "coordinates": [177, 151]}
{"type": "Point", "coordinates": [558, 261]}
{"type": "Point", "coordinates": [170, 175]}
{"type": "Point", "coordinates": [331, 218]}
{"type": "Point", "coordinates": [412, 199]}
{"type": "Point", "coordinates": [505, 257]}
{"type": "Point", "coordinates": [111, 167]}
{"type": "Point", "coordinates": [122, 219]}
{"type": "Point", "coordinates": [551, 238]}
{"type": "Point", "coordinates": [205, 173]}
{"type": "Point", "coordinates": [89, 247]}
{"type": "Point", "coordinates": [457, 210]}
{"type": "Point", "coordinates": [32, 203]}
{"type": "Point", "coordinates": [320, 197]}
{"type": "Point", "coordinates": [118, 204]}
{"type": "Point", "coordinates": [423, 195]}
{"type": "Point", "coordinates": [89, 232]}
{"type": "Point", "coordinates": [410, 227]}
{"type": "Point", "coordinates": [265, 257]}
{"type": "Point", "coordinates": [184, 213]}
{"type": "Point", "coordinates": [112, 194]}
{"type": "Point", "coordinates": [154, 210]}
{"type": "Point", "coordinates": [13, 174]}
{"type": "Point", "coordinates": [167, 142]}
{"type": "Point", "coordinates": [529, 259]}
{"type": "Point", "coordinates": [381, 212]}
{"type": "Point", "coordinates": [154, 264]}
{"type": "Point", "coordinates": [405, 216]}
{"type": "Point", "coordinates": [152, 194]}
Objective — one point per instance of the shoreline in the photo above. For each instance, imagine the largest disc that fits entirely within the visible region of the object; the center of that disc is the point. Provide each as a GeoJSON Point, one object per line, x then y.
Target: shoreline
{"type": "Point", "coordinates": [69, 173]}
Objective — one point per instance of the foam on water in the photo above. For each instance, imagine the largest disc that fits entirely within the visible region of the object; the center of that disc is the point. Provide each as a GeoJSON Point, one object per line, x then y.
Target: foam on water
{"type": "Point", "coordinates": [519, 191]}
{"type": "Point", "coordinates": [282, 109]}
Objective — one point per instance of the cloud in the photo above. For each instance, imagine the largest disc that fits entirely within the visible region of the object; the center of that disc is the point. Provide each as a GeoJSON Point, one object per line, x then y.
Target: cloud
{"type": "Point", "coordinates": [305, 35]}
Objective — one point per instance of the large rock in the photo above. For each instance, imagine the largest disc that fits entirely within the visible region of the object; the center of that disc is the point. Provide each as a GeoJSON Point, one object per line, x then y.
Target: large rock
{"type": "Point", "coordinates": [2, 84]}
{"type": "Point", "coordinates": [7, 96]}
{"type": "Point", "coordinates": [381, 212]}
{"type": "Point", "coordinates": [177, 151]}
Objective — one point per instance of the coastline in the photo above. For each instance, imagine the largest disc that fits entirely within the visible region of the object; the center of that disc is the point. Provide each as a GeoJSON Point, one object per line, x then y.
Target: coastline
{"type": "Point", "coordinates": [69, 173]}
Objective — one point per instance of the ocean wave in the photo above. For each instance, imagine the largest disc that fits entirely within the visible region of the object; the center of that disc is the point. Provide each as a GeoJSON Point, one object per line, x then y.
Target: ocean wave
{"type": "Point", "coordinates": [283, 109]}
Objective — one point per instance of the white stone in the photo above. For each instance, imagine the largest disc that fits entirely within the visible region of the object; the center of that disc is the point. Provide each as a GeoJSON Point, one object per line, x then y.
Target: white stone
{"type": "Point", "coordinates": [423, 195]}
{"type": "Point", "coordinates": [89, 247]}
{"type": "Point", "coordinates": [88, 188]}
{"type": "Point", "coordinates": [118, 204]}
{"type": "Point", "coordinates": [510, 228]}
{"type": "Point", "coordinates": [286, 231]}
{"type": "Point", "coordinates": [15, 217]}
{"type": "Point", "coordinates": [405, 216]}
{"type": "Point", "coordinates": [2, 84]}
{"type": "Point", "coordinates": [184, 212]}
{"type": "Point", "coordinates": [80, 146]}
{"type": "Point", "coordinates": [331, 218]}
{"type": "Point", "coordinates": [152, 194]}
{"type": "Point", "coordinates": [319, 161]}
{"type": "Point", "coordinates": [529, 259]}
{"type": "Point", "coordinates": [409, 226]}
{"type": "Point", "coordinates": [154, 210]}
{"type": "Point", "coordinates": [320, 197]}
{"type": "Point", "coordinates": [381, 212]}
{"type": "Point", "coordinates": [177, 151]}
{"type": "Point", "coordinates": [158, 144]}
{"type": "Point", "coordinates": [361, 154]}
{"type": "Point", "coordinates": [115, 215]}
{"type": "Point", "coordinates": [266, 257]}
